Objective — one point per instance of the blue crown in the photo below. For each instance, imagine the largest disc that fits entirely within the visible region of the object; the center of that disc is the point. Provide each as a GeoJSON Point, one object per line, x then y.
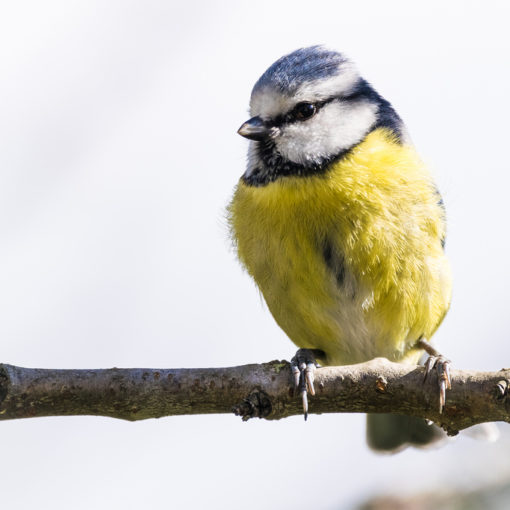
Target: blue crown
{"type": "Point", "coordinates": [301, 66]}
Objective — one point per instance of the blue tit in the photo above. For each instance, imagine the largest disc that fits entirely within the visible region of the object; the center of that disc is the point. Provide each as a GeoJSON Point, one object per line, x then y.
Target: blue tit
{"type": "Point", "coordinates": [338, 221]}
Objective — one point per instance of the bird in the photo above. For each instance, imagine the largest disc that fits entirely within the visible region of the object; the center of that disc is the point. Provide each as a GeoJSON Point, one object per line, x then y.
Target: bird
{"type": "Point", "coordinates": [339, 222]}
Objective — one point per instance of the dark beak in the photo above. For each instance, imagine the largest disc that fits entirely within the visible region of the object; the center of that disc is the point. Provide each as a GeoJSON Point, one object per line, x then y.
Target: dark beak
{"type": "Point", "coordinates": [254, 129]}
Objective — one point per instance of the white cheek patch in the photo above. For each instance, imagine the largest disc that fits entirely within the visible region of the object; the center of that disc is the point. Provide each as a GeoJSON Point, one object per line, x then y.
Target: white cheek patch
{"type": "Point", "coordinates": [337, 127]}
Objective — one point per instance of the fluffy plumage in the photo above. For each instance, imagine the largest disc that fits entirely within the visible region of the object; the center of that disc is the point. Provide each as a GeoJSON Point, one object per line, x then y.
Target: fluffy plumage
{"type": "Point", "coordinates": [337, 218]}
{"type": "Point", "coordinates": [349, 262]}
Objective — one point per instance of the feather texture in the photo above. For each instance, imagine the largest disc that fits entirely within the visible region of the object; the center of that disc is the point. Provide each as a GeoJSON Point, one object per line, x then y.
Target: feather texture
{"type": "Point", "coordinates": [350, 260]}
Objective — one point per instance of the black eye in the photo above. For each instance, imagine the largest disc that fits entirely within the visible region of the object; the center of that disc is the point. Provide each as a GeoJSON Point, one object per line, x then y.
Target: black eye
{"type": "Point", "coordinates": [303, 111]}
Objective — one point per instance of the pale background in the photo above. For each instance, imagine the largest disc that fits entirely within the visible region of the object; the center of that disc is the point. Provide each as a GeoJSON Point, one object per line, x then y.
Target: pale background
{"type": "Point", "coordinates": [118, 154]}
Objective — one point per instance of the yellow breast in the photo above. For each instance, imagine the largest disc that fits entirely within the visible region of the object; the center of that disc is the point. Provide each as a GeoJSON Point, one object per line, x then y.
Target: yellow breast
{"type": "Point", "coordinates": [349, 261]}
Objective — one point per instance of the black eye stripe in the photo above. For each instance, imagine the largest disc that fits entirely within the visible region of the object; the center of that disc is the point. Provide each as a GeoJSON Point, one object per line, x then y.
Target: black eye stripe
{"type": "Point", "coordinates": [291, 117]}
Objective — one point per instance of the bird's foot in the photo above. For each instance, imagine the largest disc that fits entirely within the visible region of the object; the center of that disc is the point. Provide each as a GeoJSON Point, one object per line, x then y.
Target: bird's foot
{"type": "Point", "coordinates": [441, 365]}
{"type": "Point", "coordinates": [303, 366]}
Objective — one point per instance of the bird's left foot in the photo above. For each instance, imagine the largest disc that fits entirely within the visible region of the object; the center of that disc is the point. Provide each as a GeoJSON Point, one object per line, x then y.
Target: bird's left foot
{"type": "Point", "coordinates": [303, 366]}
{"type": "Point", "coordinates": [441, 365]}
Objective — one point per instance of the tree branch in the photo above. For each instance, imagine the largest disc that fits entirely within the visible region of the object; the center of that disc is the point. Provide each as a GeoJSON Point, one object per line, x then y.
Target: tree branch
{"type": "Point", "coordinates": [378, 386]}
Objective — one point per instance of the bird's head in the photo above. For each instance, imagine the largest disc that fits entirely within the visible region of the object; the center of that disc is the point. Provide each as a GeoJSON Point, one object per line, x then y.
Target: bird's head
{"type": "Point", "coordinates": [308, 109]}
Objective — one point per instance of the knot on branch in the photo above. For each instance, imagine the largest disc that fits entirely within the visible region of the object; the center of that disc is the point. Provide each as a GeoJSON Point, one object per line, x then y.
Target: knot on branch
{"type": "Point", "coordinates": [256, 405]}
{"type": "Point", "coordinates": [381, 384]}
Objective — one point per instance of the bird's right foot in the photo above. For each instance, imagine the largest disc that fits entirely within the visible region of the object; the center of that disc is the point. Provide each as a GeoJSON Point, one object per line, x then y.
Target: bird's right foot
{"type": "Point", "coordinates": [441, 365]}
{"type": "Point", "coordinates": [303, 366]}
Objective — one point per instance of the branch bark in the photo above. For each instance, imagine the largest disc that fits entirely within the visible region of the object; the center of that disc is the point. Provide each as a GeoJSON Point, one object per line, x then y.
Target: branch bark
{"type": "Point", "coordinates": [264, 391]}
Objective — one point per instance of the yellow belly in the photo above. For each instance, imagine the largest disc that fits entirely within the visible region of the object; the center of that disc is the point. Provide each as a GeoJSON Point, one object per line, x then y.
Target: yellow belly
{"type": "Point", "coordinates": [375, 217]}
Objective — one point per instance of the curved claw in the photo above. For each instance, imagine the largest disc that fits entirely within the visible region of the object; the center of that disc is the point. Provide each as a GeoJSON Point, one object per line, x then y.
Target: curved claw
{"type": "Point", "coordinates": [429, 365]}
{"type": "Point", "coordinates": [441, 365]}
{"type": "Point", "coordinates": [442, 368]}
{"type": "Point", "coordinates": [310, 377]}
{"type": "Point", "coordinates": [303, 367]}
{"type": "Point", "coordinates": [443, 375]}
{"type": "Point", "coordinates": [304, 398]}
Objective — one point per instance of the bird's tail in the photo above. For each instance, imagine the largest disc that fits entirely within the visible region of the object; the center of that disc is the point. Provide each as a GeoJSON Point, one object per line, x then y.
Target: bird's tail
{"type": "Point", "coordinates": [390, 433]}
